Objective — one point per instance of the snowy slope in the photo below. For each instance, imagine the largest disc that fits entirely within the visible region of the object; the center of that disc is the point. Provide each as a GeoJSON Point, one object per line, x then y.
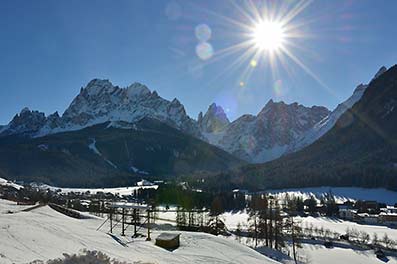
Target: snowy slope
{"type": "Point", "coordinates": [4, 182]}
{"type": "Point", "coordinates": [263, 137]}
{"type": "Point", "coordinates": [44, 234]}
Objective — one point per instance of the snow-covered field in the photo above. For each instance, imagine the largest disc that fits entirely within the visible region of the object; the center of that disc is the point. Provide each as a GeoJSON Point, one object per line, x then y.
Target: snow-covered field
{"type": "Point", "coordinates": [342, 194]}
{"type": "Point", "coordinates": [4, 182]}
{"type": "Point", "coordinates": [118, 190]}
{"type": "Point", "coordinates": [340, 226]}
{"type": "Point", "coordinates": [319, 254]}
{"type": "Point", "coordinates": [334, 224]}
{"type": "Point", "coordinates": [43, 234]}
{"type": "Point", "coordinates": [313, 253]}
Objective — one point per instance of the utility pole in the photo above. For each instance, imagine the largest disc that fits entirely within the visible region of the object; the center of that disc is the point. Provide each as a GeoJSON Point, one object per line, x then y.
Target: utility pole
{"type": "Point", "coordinates": [122, 221]}
{"type": "Point", "coordinates": [135, 222]}
{"type": "Point", "coordinates": [111, 224]}
{"type": "Point", "coordinates": [293, 239]}
{"type": "Point", "coordinates": [148, 226]}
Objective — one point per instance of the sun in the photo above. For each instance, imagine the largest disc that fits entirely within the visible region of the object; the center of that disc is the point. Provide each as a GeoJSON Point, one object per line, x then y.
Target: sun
{"type": "Point", "coordinates": [268, 35]}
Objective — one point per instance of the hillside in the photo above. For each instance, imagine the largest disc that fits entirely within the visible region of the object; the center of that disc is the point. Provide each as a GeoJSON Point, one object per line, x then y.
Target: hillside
{"type": "Point", "coordinates": [360, 150]}
{"type": "Point", "coordinates": [52, 234]}
{"type": "Point", "coordinates": [110, 154]}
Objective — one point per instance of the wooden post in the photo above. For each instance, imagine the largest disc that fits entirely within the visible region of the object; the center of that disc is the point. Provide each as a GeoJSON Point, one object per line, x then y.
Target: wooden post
{"type": "Point", "coordinates": [111, 224]}
{"type": "Point", "coordinates": [148, 226]}
{"type": "Point", "coordinates": [135, 222]}
{"type": "Point", "coordinates": [122, 222]}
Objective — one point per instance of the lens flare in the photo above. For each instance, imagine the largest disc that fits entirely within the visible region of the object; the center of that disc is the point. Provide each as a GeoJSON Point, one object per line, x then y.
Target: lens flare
{"type": "Point", "coordinates": [204, 51]}
{"type": "Point", "coordinates": [173, 10]}
{"type": "Point", "coordinates": [203, 32]}
{"type": "Point", "coordinates": [278, 88]}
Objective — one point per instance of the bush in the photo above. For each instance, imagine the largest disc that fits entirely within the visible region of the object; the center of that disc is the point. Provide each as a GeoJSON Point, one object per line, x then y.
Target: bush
{"type": "Point", "coordinates": [86, 257]}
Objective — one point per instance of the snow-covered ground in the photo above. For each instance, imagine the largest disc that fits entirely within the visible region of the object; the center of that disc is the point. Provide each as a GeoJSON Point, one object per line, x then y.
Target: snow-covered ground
{"type": "Point", "coordinates": [333, 224]}
{"type": "Point", "coordinates": [342, 194]}
{"type": "Point", "coordinates": [320, 254]}
{"type": "Point", "coordinates": [43, 234]}
{"type": "Point", "coordinates": [4, 182]}
{"type": "Point", "coordinates": [340, 226]}
{"type": "Point", "coordinates": [9, 206]}
{"type": "Point", "coordinates": [118, 190]}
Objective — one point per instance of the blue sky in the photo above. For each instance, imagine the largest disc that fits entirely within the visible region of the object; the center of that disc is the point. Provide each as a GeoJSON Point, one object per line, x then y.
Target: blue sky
{"type": "Point", "coordinates": [50, 49]}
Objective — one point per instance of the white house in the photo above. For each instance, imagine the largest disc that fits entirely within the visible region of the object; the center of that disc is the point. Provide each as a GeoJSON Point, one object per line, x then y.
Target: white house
{"type": "Point", "coordinates": [144, 183]}
{"type": "Point", "coordinates": [347, 213]}
{"type": "Point", "coordinates": [368, 218]}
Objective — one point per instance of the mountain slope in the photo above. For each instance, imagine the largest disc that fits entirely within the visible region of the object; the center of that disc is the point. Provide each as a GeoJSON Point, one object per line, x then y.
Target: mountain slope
{"type": "Point", "coordinates": [322, 127]}
{"type": "Point", "coordinates": [110, 154]}
{"type": "Point", "coordinates": [265, 136]}
{"type": "Point", "coordinates": [361, 149]}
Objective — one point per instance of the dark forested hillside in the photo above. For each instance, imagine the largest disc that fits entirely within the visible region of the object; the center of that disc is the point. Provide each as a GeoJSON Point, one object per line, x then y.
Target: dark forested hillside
{"type": "Point", "coordinates": [360, 150]}
{"type": "Point", "coordinates": [105, 155]}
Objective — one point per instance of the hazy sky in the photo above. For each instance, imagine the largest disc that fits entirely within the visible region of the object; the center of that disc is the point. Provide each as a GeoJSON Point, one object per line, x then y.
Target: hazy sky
{"type": "Point", "coordinates": [50, 49]}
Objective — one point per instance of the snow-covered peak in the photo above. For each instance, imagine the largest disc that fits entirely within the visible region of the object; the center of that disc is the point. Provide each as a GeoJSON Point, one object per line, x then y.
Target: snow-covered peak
{"type": "Point", "coordinates": [361, 87]}
{"type": "Point", "coordinates": [97, 86]}
{"type": "Point", "coordinates": [214, 120]}
{"type": "Point", "coordinates": [99, 102]}
{"type": "Point", "coordinates": [265, 136]}
{"type": "Point", "coordinates": [25, 122]}
{"type": "Point", "coordinates": [137, 89]}
{"type": "Point", "coordinates": [381, 71]}
{"type": "Point", "coordinates": [25, 111]}
{"type": "Point", "coordinates": [176, 102]}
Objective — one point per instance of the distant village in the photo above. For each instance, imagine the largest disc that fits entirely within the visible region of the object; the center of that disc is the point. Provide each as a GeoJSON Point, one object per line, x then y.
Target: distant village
{"type": "Point", "coordinates": [95, 200]}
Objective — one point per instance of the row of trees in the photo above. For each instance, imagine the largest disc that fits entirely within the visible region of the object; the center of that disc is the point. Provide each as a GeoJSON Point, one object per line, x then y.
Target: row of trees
{"type": "Point", "coordinates": [269, 224]}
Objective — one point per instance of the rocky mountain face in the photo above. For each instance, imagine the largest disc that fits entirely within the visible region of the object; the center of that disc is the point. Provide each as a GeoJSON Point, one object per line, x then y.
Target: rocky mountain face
{"type": "Point", "coordinates": [322, 127]}
{"type": "Point", "coordinates": [359, 150]}
{"type": "Point", "coordinates": [25, 122]}
{"type": "Point", "coordinates": [214, 120]}
{"type": "Point", "coordinates": [276, 130]}
{"type": "Point", "coordinates": [265, 136]}
{"type": "Point", "coordinates": [252, 138]}
{"type": "Point", "coordinates": [100, 101]}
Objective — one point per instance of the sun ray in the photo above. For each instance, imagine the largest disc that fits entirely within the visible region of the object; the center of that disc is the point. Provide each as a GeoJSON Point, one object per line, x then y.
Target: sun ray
{"type": "Point", "coordinates": [307, 70]}
{"type": "Point", "coordinates": [296, 10]}
{"type": "Point", "coordinates": [265, 32]}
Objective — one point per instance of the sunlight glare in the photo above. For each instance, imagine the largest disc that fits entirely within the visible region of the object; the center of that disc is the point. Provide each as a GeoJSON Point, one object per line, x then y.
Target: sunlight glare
{"type": "Point", "coordinates": [268, 35]}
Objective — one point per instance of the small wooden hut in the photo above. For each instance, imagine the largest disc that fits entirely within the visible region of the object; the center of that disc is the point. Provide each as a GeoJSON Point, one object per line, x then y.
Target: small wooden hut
{"type": "Point", "coordinates": [168, 241]}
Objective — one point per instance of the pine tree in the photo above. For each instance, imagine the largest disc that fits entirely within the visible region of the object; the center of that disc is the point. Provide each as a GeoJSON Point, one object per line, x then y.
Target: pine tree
{"type": "Point", "coordinates": [294, 230]}
{"type": "Point", "coordinates": [258, 217]}
{"type": "Point", "coordinates": [216, 209]}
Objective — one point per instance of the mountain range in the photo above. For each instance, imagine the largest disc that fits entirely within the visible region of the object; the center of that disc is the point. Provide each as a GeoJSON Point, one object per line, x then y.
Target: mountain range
{"type": "Point", "coordinates": [100, 107]}
{"type": "Point", "coordinates": [360, 149]}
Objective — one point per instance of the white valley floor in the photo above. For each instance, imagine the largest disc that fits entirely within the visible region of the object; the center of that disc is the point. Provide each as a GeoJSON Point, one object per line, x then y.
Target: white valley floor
{"type": "Point", "coordinates": [43, 234]}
